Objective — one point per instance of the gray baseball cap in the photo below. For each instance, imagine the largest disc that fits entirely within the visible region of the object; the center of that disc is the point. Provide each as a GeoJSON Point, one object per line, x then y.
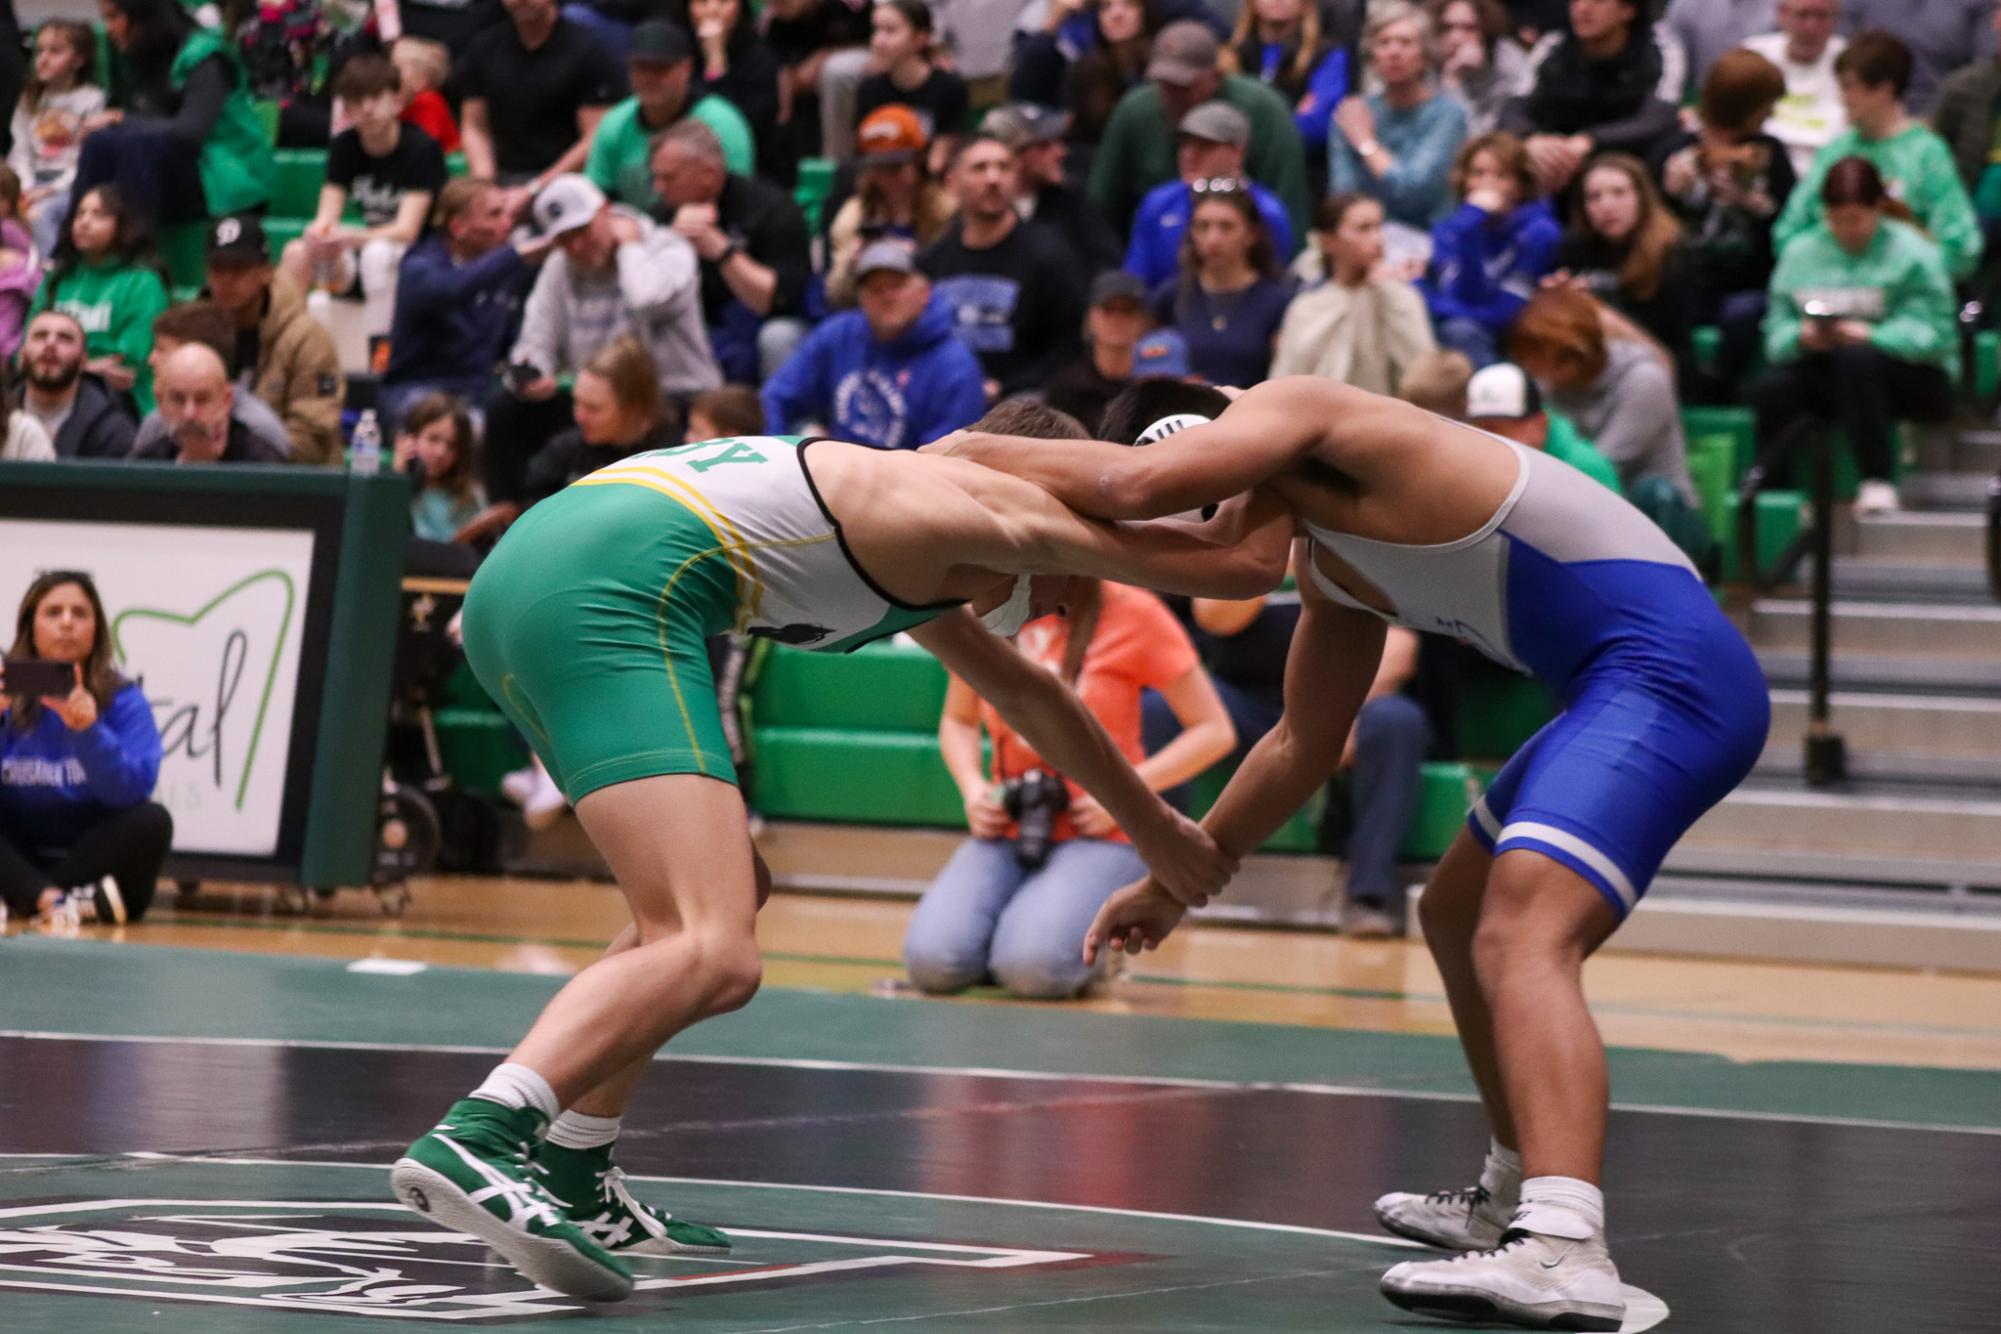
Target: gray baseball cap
{"type": "Point", "coordinates": [1183, 53]}
{"type": "Point", "coordinates": [878, 256]}
{"type": "Point", "coordinates": [1218, 123]}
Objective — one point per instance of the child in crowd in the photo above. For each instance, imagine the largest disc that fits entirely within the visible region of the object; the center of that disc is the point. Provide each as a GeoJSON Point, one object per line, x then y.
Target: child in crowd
{"type": "Point", "coordinates": [103, 274]}
{"type": "Point", "coordinates": [437, 433]}
{"type": "Point", "coordinates": [1489, 255]}
{"type": "Point", "coordinates": [57, 97]}
{"type": "Point", "coordinates": [425, 65]}
{"type": "Point", "coordinates": [733, 409]}
{"type": "Point", "coordinates": [20, 267]}
{"type": "Point", "coordinates": [391, 172]}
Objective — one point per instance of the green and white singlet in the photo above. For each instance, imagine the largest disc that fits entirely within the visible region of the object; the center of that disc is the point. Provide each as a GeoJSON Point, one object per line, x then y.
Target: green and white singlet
{"type": "Point", "coordinates": [588, 623]}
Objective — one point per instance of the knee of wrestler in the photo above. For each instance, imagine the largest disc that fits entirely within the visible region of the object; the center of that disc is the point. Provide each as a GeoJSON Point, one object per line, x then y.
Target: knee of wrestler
{"type": "Point", "coordinates": [763, 873]}
{"type": "Point", "coordinates": [732, 969]}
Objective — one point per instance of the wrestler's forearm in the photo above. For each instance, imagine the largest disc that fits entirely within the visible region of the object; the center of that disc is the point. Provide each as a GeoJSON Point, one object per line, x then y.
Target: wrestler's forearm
{"type": "Point", "coordinates": [1090, 476]}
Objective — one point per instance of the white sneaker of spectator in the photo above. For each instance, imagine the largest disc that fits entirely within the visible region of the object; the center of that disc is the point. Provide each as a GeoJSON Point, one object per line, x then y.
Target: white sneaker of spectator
{"type": "Point", "coordinates": [1874, 497]}
{"type": "Point", "coordinates": [546, 804]}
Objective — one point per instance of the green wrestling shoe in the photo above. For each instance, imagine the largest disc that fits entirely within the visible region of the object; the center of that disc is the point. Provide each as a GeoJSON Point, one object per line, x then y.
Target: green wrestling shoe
{"type": "Point", "coordinates": [472, 1174]}
{"type": "Point", "coordinates": [594, 1197]}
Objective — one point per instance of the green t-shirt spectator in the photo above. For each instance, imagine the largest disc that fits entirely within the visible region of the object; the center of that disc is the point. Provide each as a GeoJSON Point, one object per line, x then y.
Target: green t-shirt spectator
{"type": "Point", "coordinates": [1567, 446]}
{"type": "Point", "coordinates": [1138, 151]}
{"type": "Point", "coordinates": [1897, 284]}
{"type": "Point", "coordinates": [1919, 170]}
{"type": "Point", "coordinates": [621, 166]}
{"type": "Point", "coordinates": [116, 303]}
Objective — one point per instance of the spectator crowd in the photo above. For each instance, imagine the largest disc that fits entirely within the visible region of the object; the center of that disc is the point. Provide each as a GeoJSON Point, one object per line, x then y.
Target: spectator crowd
{"type": "Point", "coordinates": [567, 232]}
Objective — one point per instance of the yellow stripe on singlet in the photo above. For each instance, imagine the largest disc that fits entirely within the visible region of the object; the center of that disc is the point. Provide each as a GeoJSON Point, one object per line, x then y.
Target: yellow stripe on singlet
{"type": "Point", "coordinates": [729, 539]}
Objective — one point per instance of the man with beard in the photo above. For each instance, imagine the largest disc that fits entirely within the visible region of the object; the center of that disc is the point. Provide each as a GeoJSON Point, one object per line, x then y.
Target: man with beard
{"type": "Point", "coordinates": [1012, 285]}
{"type": "Point", "coordinates": [83, 418]}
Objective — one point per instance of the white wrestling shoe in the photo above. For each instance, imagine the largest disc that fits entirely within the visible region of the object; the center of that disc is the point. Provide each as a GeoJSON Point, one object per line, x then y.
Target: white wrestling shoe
{"type": "Point", "coordinates": [1532, 1280]}
{"type": "Point", "coordinates": [1453, 1220]}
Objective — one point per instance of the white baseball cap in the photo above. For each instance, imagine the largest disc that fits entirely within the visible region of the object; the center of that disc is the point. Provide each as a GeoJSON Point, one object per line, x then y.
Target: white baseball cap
{"type": "Point", "coordinates": [1502, 390]}
{"type": "Point", "coordinates": [565, 204]}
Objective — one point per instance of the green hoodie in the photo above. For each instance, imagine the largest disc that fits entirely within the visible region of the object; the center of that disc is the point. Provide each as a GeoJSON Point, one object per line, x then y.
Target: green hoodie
{"type": "Point", "coordinates": [1918, 169]}
{"type": "Point", "coordinates": [116, 304]}
{"type": "Point", "coordinates": [1898, 284]}
{"type": "Point", "coordinates": [236, 161]}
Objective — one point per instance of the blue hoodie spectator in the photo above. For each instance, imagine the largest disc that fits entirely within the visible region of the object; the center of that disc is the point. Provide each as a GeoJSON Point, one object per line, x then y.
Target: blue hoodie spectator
{"type": "Point", "coordinates": [459, 293]}
{"type": "Point", "coordinates": [1483, 271]}
{"type": "Point", "coordinates": [1154, 255]}
{"type": "Point", "coordinates": [878, 375]}
{"type": "Point", "coordinates": [60, 784]}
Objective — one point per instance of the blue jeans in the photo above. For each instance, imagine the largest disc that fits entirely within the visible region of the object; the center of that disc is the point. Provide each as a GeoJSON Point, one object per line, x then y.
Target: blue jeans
{"type": "Point", "coordinates": [1250, 715]}
{"type": "Point", "coordinates": [1392, 737]}
{"type": "Point", "coordinates": [985, 916]}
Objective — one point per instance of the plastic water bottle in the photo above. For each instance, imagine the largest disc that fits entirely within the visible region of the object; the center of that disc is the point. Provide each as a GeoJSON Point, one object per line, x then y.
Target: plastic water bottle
{"type": "Point", "coordinates": [365, 451]}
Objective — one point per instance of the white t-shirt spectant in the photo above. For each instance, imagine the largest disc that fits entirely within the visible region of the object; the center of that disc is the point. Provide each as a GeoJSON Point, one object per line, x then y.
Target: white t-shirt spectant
{"type": "Point", "coordinates": [1810, 114]}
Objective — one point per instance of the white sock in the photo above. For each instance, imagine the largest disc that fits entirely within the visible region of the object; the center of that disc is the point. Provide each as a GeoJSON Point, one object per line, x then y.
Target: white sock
{"type": "Point", "coordinates": [575, 1130]}
{"type": "Point", "coordinates": [518, 1086]}
{"type": "Point", "coordinates": [1561, 1207]}
{"type": "Point", "coordinates": [1502, 1174]}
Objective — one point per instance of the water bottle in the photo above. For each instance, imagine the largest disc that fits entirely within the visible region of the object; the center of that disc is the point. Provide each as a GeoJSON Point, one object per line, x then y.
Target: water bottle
{"type": "Point", "coordinates": [365, 450]}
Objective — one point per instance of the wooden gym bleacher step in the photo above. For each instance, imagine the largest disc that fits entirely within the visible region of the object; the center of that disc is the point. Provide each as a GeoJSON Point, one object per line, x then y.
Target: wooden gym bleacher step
{"type": "Point", "coordinates": [1882, 629]}
{"type": "Point", "coordinates": [1903, 738]}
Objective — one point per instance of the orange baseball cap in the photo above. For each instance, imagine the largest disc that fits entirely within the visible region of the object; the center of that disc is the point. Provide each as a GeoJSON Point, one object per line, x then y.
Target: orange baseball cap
{"type": "Point", "coordinates": [890, 135]}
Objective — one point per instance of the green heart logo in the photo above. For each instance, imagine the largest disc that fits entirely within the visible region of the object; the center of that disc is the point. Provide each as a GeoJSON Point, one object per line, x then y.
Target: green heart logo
{"type": "Point", "coordinates": [193, 620]}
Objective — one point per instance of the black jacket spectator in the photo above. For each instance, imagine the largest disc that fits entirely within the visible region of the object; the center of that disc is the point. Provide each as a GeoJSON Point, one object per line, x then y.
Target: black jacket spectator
{"type": "Point", "coordinates": [1626, 102]}
{"type": "Point", "coordinates": [1018, 302]}
{"type": "Point", "coordinates": [1625, 248]}
{"type": "Point", "coordinates": [97, 427]}
{"type": "Point", "coordinates": [740, 69]}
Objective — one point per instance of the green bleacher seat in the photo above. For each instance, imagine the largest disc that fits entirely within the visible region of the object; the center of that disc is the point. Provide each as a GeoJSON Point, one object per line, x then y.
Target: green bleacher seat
{"type": "Point", "coordinates": [1986, 377]}
{"type": "Point", "coordinates": [1494, 712]}
{"type": "Point", "coordinates": [478, 747]}
{"type": "Point", "coordinates": [1712, 467]}
{"type": "Point", "coordinates": [1443, 802]}
{"type": "Point", "coordinates": [455, 163]}
{"type": "Point", "coordinates": [816, 182]}
{"type": "Point", "coordinates": [281, 232]}
{"type": "Point", "coordinates": [295, 187]}
{"type": "Point", "coordinates": [848, 775]}
{"type": "Point", "coordinates": [1778, 525]}
{"type": "Point", "coordinates": [184, 249]}
{"type": "Point", "coordinates": [268, 111]}
{"type": "Point", "coordinates": [1739, 425]}
{"type": "Point", "coordinates": [883, 687]}
{"type": "Point", "coordinates": [1706, 339]}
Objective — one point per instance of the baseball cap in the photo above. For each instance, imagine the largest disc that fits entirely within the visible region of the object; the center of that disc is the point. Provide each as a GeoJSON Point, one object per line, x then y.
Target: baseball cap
{"type": "Point", "coordinates": [1021, 124]}
{"type": "Point", "coordinates": [1218, 123]}
{"type": "Point", "coordinates": [238, 239]}
{"type": "Point", "coordinates": [657, 41]}
{"type": "Point", "coordinates": [1117, 285]}
{"type": "Point", "coordinates": [1182, 53]}
{"type": "Point", "coordinates": [565, 204]}
{"type": "Point", "coordinates": [1502, 390]}
{"type": "Point", "coordinates": [878, 256]}
{"type": "Point", "coordinates": [1162, 352]}
{"type": "Point", "coordinates": [890, 135]}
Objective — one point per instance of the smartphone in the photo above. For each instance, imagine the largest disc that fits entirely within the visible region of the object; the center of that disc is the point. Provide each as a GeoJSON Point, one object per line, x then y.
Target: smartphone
{"type": "Point", "coordinates": [521, 374]}
{"type": "Point", "coordinates": [32, 678]}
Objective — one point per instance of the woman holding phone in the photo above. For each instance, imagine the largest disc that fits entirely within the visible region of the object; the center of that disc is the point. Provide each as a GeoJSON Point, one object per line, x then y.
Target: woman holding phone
{"type": "Point", "coordinates": [77, 764]}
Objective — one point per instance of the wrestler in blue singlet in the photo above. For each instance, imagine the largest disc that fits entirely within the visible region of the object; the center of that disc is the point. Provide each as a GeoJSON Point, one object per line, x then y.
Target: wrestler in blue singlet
{"type": "Point", "coordinates": [1664, 706]}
